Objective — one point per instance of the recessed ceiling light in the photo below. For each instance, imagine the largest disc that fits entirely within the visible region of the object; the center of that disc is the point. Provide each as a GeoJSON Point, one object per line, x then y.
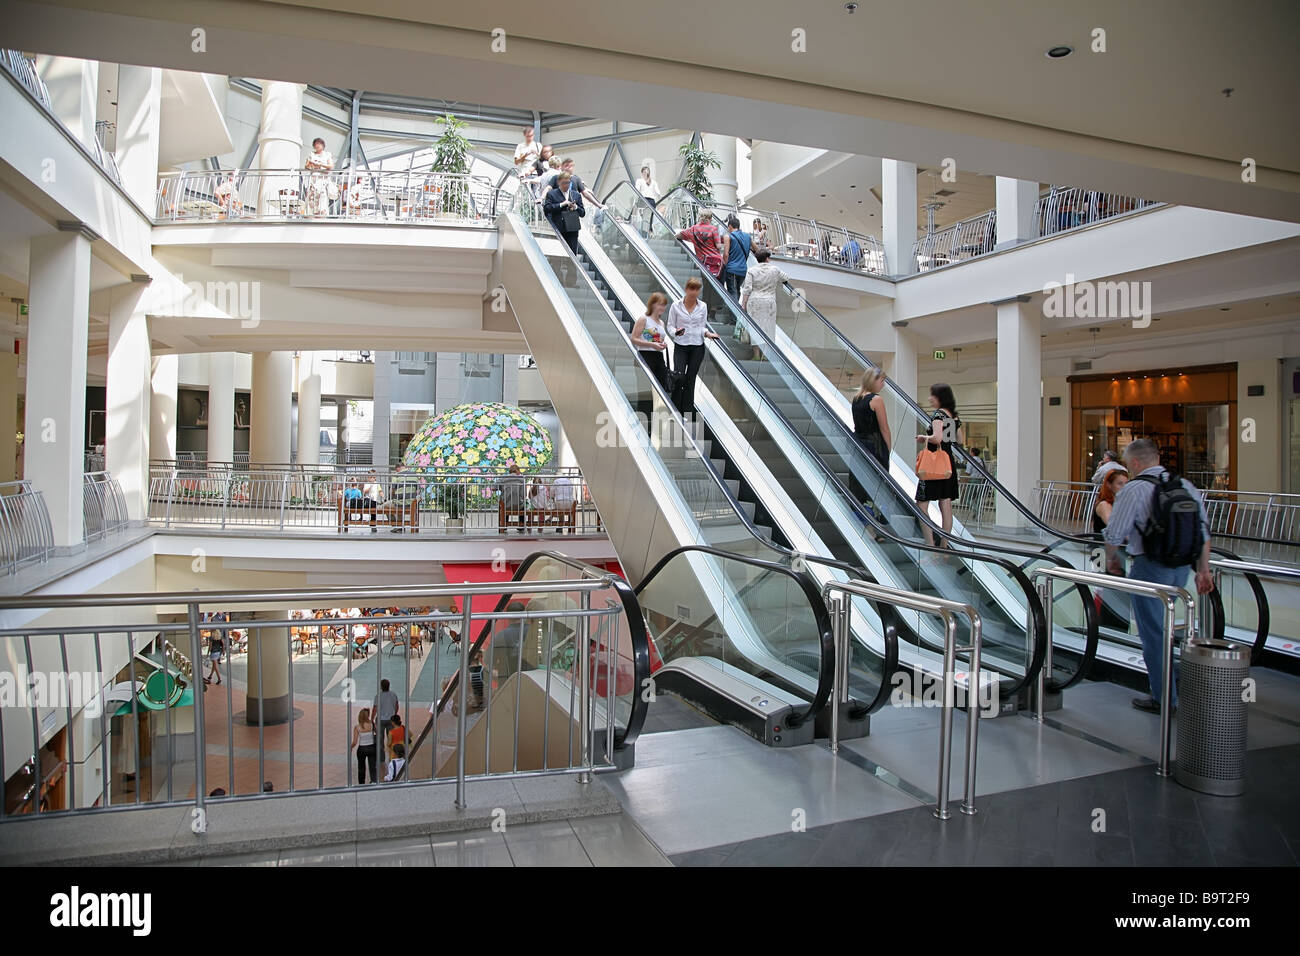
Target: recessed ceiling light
{"type": "Point", "coordinates": [1057, 52]}
{"type": "Point", "coordinates": [850, 7]}
{"type": "Point", "coordinates": [1224, 308]}
{"type": "Point", "coordinates": [853, 186]}
{"type": "Point", "coordinates": [823, 195]}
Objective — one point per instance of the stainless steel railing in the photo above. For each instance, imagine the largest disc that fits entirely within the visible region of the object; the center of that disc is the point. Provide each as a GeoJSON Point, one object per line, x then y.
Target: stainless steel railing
{"type": "Point", "coordinates": [958, 242]}
{"type": "Point", "coordinates": [350, 195]}
{"type": "Point", "coordinates": [835, 593]}
{"type": "Point", "coordinates": [1264, 526]}
{"type": "Point", "coordinates": [26, 534]}
{"type": "Point", "coordinates": [332, 498]}
{"type": "Point", "coordinates": [788, 237]}
{"type": "Point", "coordinates": [1247, 569]}
{"type": "Point", "coordinates": [105, 701]}
{"type": "Point", "coordinates": [103, 506]}
{"type": "Point", "coordinates": [1045, 579]}
{"type": "Point", "coordinates": [1068, 207]}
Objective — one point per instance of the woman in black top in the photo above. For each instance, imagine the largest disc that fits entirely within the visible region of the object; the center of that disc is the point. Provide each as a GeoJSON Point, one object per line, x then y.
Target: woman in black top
{"type": "Point", "coordinates": [561, 199]}
{"type": "Point", "coordinates": [870, 421]}
{"type": "Point", "coordinates": [945, 428]}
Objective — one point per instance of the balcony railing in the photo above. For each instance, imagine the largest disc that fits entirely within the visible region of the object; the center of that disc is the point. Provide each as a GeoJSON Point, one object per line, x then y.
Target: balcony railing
{"type": "Point", "coordinates": [338, 499]}
{"type": "Point", "coordinates": [1059, 210]}
{"type": "Point", "coordinates": [103, 505]}
{"type": "Point", "coordinates": [347, 195]}
{"type": "Point", "coordinates": [26, 535]}
{"type": "Point", "coordinates": [789, 237]}
{"type": "Point", "coordinates": [24, 71]}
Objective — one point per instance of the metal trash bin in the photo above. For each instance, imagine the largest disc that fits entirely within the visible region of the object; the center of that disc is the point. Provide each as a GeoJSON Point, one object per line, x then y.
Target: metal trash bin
{"type": "Point", "coordinates": [1211, 753]}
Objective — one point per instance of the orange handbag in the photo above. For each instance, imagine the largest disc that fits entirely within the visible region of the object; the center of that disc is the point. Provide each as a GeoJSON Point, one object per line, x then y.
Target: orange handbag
{"type": "Point", "coordinates": [933, 465]}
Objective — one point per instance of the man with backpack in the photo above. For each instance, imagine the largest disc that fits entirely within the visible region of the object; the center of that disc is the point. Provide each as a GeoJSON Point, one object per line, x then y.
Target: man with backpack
{"type": "Point", "coordinates": [1160, 519]}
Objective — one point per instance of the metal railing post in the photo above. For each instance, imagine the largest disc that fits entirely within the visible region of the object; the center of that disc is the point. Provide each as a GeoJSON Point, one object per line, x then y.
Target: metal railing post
{"type": "Point", "coordinates": [1046, 597]}
{"type": "Point", "coordinates": [973, 712]}
{"type": "Point", "coordinates": [837, 688]}
{"type": "Point", "coordinates": [584, 691]}
{"type": "Point", "coordinates": [1167, 686]}
{"type": "Point", "coordinates": [462, 696]}
{"type": "Point", "coordinates": [200, 731]}
{"type": "Point", "coordinates": [945, 720]}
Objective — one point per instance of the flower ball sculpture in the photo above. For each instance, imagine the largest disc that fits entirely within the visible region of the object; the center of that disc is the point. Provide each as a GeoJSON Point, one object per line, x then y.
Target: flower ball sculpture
{"type": "Point", "coordinates": [474, 442]}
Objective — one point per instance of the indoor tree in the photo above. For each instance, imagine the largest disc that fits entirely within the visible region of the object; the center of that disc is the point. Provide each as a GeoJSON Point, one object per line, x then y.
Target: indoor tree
{"type": "Point", "coordinates": [451, 155]}
{"type": "Point", "coordinates": [696, 163]}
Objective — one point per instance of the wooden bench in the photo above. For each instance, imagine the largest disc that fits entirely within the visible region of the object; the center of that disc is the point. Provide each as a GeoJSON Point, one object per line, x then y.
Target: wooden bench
{"type": "Point", "coordinates": [401, 515]}
{"type": "Point", "coordinates": [565, 516]}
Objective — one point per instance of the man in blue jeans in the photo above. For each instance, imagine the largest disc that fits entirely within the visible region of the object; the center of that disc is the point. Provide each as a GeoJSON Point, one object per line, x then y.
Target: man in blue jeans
{"type": "Point", "coordinates": [1133, 506]}
{"type": "Point", "coordinates": [736, 267]}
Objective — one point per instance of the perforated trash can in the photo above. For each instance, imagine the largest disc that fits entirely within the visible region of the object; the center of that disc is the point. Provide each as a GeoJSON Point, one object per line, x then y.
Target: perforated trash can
{"type": "Point", "coordinates": [1212, 717]}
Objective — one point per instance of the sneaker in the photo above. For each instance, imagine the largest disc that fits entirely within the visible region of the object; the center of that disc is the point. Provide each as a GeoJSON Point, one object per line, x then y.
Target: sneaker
{"type": "Point", "coordinates": [1149, 705]}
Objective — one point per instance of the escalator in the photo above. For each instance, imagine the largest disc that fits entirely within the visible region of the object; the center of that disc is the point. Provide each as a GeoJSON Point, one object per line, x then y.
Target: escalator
{"type": "Point", "coordinates": [740, 613]}
{"type": "Point", "coordinates": [833, 366]}
{"type": "Point", "coordinates": [780, 432]}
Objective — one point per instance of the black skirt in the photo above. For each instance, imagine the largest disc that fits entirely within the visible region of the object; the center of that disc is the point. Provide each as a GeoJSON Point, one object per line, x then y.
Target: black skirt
{"type": "Point", "coordinates": [939, 489]}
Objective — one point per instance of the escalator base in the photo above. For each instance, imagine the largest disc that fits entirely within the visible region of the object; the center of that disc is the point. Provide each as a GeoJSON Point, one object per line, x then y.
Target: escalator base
{"type": "Point", "coordinates": [850, 728]}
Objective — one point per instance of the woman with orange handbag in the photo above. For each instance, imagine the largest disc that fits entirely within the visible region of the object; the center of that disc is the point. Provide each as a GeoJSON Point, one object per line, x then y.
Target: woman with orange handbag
{"type": "Point", "coordinates": [936, 471]}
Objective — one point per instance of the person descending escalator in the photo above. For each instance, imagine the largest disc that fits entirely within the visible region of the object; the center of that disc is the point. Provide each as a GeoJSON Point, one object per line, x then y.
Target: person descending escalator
{"type": "Point", "coordinates": [688, 320]}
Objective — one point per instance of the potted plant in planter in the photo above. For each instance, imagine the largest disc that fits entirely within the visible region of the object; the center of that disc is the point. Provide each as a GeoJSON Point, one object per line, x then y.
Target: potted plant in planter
{"type": "Point", "coordinates": [451, 156]}
{"type": "Point", "coordinates": [696, 163]}
{"type": "Point", "coordinates": [453, 506]}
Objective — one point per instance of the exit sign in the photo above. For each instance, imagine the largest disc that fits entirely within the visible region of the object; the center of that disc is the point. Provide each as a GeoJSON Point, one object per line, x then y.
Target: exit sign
{"type": "Point", "coordinates": [22, 309]}
{"type": "Point", "coordinates": [940, 355]}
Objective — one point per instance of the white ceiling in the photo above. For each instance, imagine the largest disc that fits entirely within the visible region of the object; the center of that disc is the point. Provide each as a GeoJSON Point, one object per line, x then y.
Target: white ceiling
{"type": "Point", "coordinates": [917, 82]}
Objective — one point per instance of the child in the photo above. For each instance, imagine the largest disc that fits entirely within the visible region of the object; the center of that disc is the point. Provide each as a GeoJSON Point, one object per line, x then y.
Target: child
{"type": "Point", "coordinates": [397, 763]}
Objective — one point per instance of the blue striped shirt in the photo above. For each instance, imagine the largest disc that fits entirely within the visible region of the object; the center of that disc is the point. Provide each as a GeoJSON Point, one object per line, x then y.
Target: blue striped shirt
{"type": "Point", "coordinates": [1132, 510]}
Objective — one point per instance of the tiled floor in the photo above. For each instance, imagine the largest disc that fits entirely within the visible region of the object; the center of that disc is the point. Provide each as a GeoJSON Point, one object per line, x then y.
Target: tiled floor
{"type": "Point", "coordinates": [1122, 818]}
{"type": "Point", "coordinates": [594, 841]}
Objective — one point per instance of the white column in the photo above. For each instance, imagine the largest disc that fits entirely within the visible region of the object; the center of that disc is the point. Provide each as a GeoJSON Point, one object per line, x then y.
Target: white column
{"type": "Point", "coordinates": [162, 407]}
{"type": "Point", "coordinates": [129, 390]}
{"type": "Point", "coordinates": [279, 139]}
{"type": "Point", "coordinates": [57, 334]}
{"type": "Point", "coordinates": [9, 425]}
{"type": "Point", "coordinates": [73, 86]}
{"type": "Point", "coordinates": [272, 401]}
{"type": "Point", "coordinates": [898, 215]}
{"type": "Point", "coordinates": [309, 409]}
{"type": "Point", "coordinates": [382, 393]}
{"type": "Point", "coordinates": [1020, 411]}
{"type": "Point", "coordinates": [139, 99]}
{"type": "Point", "coordinates": [901, 366]}
{"type": "Point", "coordinates": [221, 406]}
{"type": "Point", "coordinates": [724, 179]}
{"type": "Point", "coordinates": [1017, 204]}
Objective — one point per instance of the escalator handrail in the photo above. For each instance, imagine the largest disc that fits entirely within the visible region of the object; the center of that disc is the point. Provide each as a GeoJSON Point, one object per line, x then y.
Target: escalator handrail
{"type": "Point", "coordinates": [637, 631]}
{"type": "Point", "coordinates": [821, 615]}
{"type": "Point", "coordinates": [1038, 653]}
{"type": "Point", "coordinates": [1263, 614]}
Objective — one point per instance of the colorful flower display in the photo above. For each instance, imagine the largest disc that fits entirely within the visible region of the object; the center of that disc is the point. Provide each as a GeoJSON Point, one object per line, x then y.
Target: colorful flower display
{"type": "Point", "coordinates": [478, 440]}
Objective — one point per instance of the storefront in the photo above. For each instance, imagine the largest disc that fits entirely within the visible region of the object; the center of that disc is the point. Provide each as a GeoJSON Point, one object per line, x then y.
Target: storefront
{"type": "Point", "coordinates": [1191, 414]}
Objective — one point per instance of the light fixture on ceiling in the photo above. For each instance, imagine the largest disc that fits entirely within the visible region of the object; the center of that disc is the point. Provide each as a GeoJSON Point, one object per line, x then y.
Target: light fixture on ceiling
{"type": "Point", "coordinates": [957, 367]}
{"type": "Point", "coordinates": [1224, 308]}
{"type": "Point", "coordinates": [1059, 52]}
{"type": "Point", "coordinates": [1094, 330]}
{"type": "Point", "coordinates": [850, 7]}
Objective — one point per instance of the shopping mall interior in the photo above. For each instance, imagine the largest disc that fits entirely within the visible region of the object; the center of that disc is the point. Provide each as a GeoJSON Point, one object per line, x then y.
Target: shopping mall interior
{"type": "Point", "coordinates": [364, 504]}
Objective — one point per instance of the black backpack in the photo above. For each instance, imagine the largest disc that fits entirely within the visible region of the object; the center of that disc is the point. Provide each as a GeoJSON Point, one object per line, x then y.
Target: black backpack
{"type": "Point", "coordinates": [1173, 535]}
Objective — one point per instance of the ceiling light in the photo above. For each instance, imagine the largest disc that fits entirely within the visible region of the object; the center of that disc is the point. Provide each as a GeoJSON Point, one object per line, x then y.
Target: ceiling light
{"type": "Point", "coordinates": [1224, 308]}
{"type": "Point", "coordinates": [823, 195]}
{"type": "Point", "coordinates": [1057, 52]}
{"type": "Point", "coordinates": [850, 7]}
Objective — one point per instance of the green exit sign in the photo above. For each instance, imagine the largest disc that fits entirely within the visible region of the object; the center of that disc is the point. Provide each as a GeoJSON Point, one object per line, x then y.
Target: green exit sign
{"type": "Point", "coordinates": [22, 309]}
{"type": "Point", "coordinates": [940, 355]}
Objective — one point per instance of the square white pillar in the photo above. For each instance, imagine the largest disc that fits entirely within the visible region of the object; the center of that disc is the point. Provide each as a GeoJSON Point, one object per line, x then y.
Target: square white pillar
{"type": "Point", "coordinates": [271, 414]}
{"type": "Point", "coordinates": [1020, 411]}
{"type": "Point", "coordinates": [162, 407]}
{"type": "Point", "coordinates": [128, 394]}
{"type": "Point", "coordinates": [309, 409]}
{"type": "Point", "coordinates": [57, 333]}
{"type": "Point", "coordinates": [139, 104]}
{"type": "Point", "coordinates": [898, 215]}
{"type": "Point", "coordinates": [221, 406]}
{"type": "Point", "coordinates": [1017, 206]}
{"type": "Point", "coordinates": [382, 416]}
{"type": "Point", "coordinates": [901, 366]}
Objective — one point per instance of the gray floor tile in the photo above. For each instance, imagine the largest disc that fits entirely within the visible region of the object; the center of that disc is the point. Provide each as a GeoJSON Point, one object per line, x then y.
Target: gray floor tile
{"type": "Point", "coordinates": [546, 844]}
{"type": "Point", "coordinates": [616, 841]}
{"type": "Point", "coordinates": [402, 851]}
{"type": "Point", "coordinates": [265, 858]}
{"type": "Point", "coordinates": [345, 855]}
{"type": "Point", "coordinates": [785, 849]}
{"type": "Point", "coordinates": [479, 849]}
{"type": "Point", "coordinates": [710, 856]}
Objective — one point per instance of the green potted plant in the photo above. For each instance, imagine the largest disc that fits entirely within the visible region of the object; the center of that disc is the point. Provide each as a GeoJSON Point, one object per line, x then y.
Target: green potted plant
{"type": "Point", "coordinates": [453, 506]}
{"type": "Point", "coordinates": [451, 155]}
{"type": "Point", "coordinates": [696, 163]}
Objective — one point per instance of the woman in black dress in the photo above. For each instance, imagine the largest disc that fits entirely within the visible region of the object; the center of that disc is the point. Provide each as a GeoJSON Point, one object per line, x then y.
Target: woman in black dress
{"type": "Point", "coordinates": [945, 428]}
{"type": "Point", "coordinates": [870, 421]}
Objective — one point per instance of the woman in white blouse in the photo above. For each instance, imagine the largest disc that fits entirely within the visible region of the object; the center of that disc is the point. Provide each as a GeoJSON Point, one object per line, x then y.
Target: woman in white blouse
{"type": "Point", "coordinates": [758, 294]}
{"type": "Point", "coordinates": [319, 163]}
{"type": "Point", "coordinates": [688, 323]}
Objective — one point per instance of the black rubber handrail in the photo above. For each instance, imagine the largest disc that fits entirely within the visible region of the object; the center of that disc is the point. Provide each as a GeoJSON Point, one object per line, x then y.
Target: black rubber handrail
{"type": "Point", "coordinates": [822, 617]}
{"type": "Point", "coordinates": [636, 627]}
{"type": "Point", "coordinates": [1038, 652]}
